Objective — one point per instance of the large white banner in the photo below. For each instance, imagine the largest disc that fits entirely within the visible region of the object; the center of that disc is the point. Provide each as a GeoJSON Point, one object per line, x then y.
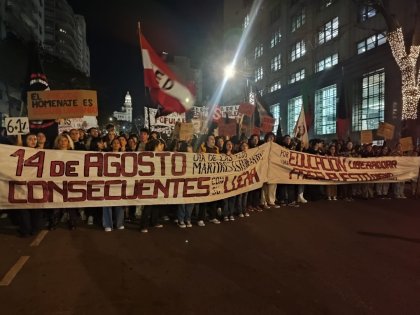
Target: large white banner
{"type": "Point", "coordinates": [31, 178]}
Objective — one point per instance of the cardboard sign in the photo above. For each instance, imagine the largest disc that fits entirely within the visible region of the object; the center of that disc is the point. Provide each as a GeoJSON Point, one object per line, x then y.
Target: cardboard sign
{"type": "Point", "coordinates": [246, 109]}
{"type": "Point", "coordinates": [62, 104]}
{"type": "Point", "coordinates": [17, 126]}
{"type": "Point", "coordinates": [366, 136]}
{"type": "Point", "coordinates": [267, 124]}
{"type": "Point", "coordinates": [184, 131]}
{"type": "Point", "coordinates": [406, 144]}
{"type": "Point", "coordinates": [386, 130]}
{"type": "Point", "coordinates": [227, 129]}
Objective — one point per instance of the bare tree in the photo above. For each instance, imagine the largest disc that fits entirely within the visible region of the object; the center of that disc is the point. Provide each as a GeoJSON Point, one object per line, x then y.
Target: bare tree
{"type": "Point", "coordinates": [405, 47]}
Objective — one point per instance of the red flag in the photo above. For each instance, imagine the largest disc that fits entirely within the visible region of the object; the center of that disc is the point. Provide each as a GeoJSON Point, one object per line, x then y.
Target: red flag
{"type": "Point", "coordinates": [165, 88]}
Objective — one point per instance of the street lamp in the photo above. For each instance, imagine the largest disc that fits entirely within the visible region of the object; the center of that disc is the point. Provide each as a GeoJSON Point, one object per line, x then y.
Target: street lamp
{"type": "Point", "coordinates": [111, 119]}
{"type": "Point", "coordinates": [229, 71]}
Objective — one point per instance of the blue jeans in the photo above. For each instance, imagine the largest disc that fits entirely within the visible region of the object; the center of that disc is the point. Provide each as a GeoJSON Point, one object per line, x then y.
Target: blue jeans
{"type": "Point", "coordinates": [107, 216]}
{"type": "Point", "coordinates": [184, 212]}
{"type": "Point", "coordinates": [229, 206]}
{"type": "Point", "coordinates": [242, 202]}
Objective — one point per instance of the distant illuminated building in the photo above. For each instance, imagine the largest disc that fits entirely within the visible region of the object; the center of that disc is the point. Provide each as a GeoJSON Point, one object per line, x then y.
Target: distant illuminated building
{"type": "Point", "coordinates": [126, 113]}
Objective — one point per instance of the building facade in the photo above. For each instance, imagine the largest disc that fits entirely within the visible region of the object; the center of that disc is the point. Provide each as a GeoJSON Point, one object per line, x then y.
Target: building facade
{"type": "Point", "coordinates": [126, 113]}
{"type": "Point", "coordinates": [330, 56]}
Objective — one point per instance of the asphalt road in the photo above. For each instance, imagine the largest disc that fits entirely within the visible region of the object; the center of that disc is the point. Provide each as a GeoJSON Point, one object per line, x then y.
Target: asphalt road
{"type": "Point", "coordinates": [326, 257]}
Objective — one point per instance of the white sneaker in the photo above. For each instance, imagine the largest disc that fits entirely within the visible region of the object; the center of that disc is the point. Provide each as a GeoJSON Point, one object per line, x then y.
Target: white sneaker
{"type": "Point", "coordinates": [246, 214]}
{"type": "Point", "coordinates": [165, 218]}
{"type": "Point", "coordinates": [121, 227]}
{"type": "Point", "coordinates": [189, 224]}
{"type": "Point", "coordinates": [90, 220]}
{"type": "Point", "coordinates": [241, 215]}
{"type": "Point", "coordinates": [329, 198]}
{"type": "Point", "coordinates": [215, 221]}
{"type": "Point", "coordinates": [266, 206]}
{"type": "Point", "coordinates": [201, 223]}
{"type": "Point", "coordinates": [144, 231]}
{"type": "Point", "coordinates": [182, 225]}
{"type": "Point", "coordinates": [232, 218]}
{"type": "Point", "coordinates": [301, 199]}
{"type": "Point", "coordinates": [274, 206]}
{"type": "Point", "coordinates": [158, 226]}
{"type": "Point", "coordinates": [334, 198]}
{"type": "Point", "coordinates": [225, 219]}
{"type": "Point", "coordinates": [108, 229]}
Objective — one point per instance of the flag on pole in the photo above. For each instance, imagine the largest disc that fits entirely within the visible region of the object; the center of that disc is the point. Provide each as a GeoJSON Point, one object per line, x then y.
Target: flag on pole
{"type": "Point", "coordinates": [262, 116]}
{"type": "Point", "coordinates": [166, 90]}
{"type": "Point", "coordinates": [301, 132]}
{"type": "Point", "coordinates": [343, 121]}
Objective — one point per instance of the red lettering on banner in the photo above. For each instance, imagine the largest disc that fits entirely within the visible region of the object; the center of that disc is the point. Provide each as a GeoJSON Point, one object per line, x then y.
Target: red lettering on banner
{"type": "Point", "coordinates": [112, 169]}
{"type": "Point", "coordinates": [97, 163]}
{"type": "Point", "coordinates": [70, 169]}
{"type": "Point", "coordinates": [124, 164]}
{"type": "Point", "coordinates": [149, 164]}
{"type": "Point", "coordinates": [162, 156]}
{"type": "Point", "coordinates": [31, 192]}
{"type": "Point", "coordinates": [107, 190]}
{"type": "Point", "coordinates": [91, 189]}
{"type": "Point", "coordinates": [11, 197]}
{"type": "Point", "coordinates": [72, 189]}
{"type": "Point", "coordinates": [183, 164]}
{"type": "Point", "coordinates": [57, 168]}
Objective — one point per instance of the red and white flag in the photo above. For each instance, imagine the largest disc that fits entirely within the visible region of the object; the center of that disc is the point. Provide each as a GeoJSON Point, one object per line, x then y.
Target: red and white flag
{"type": "Point", "coordinates": [165, 88]}
{"type": "Point", "coordinates": [301, 131]}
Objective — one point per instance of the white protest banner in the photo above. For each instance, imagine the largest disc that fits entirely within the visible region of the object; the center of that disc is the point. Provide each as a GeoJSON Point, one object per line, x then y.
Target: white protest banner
{"type": "Point", "coordinates": [17, 125]}
{"type": "Point", "coordinates": [77, 123]}
{"type": "Point", "coordinates": [65, 179]}
{"type": "Point", "coordinates": [295, 167]}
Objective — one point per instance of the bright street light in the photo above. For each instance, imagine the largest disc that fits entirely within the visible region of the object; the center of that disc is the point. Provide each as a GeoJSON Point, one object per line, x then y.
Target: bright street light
{"type": "Point", "coordinates": [111, 119]}
{"type": "Point", "coordinates": [229, 72]}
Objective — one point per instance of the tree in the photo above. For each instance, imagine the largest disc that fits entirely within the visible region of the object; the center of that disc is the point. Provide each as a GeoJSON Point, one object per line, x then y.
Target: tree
{"type": "Point", "coordinates": [405, 47]}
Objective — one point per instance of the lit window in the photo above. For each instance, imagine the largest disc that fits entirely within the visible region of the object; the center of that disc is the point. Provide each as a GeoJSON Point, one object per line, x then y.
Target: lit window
{"type": "Point", "coordinates": [326, 63]}
{"type": "Point", "coordinates": [328, 31]}
{"type": "Point", "coordinates": [366, 12]}
{"type": "Point", "coordinates": [259, 51]}
{"type": "Point", "coordinates": [259, 73]}
{"type": "Point", "coordinates": [298, 50]}
{"type": "Point", "coordinates": [275, 111]}
{"type": "Point", "coordinates": [275, 86]}
{"type": "Point", "coordinates": [251, 97]}
{"type": "Point", "coordinates": [297, 76]}
{"type": "Point", "coordinates": [293, 111]}
{"type": "Point", "coordinates": [246, 22]}
{"type": "Point", "coordinates": [276, 63]}
{"type": "Point", "coordinates": [371, 42]}
{"type": "Point", "coordinates": [325, 110]}
{"type": "Point", "coordinates": [275, 39]}
{"type": "Point", "coordinates": [298, 20]}
{"type": "Point", "coordinates": [370, 111]}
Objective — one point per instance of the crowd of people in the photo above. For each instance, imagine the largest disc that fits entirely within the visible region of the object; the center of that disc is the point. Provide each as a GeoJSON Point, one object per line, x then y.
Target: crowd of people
{"type": "Point", "coordinates": [229, 209]}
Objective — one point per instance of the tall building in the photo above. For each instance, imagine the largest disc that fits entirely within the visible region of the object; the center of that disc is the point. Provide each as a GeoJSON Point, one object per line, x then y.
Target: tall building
{"type": "Point", "coordinates": [65, 34]}
{"type": "Point", "coordinates": [330, 56]}
{"type": "Point", "coordinates": [126, 113]}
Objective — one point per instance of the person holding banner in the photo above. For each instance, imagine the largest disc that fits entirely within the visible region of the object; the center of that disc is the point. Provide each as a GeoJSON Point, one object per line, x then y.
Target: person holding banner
{"type": "Point", "coordinates": [242, 199]}
{"type": "Point", "coordinates": [383, 188]}
{"type": "Point", "coordinates": [228, 203]}
{"type": "Point", "coordinates": [331, 190]}
{"type": "Point", "coordinates": [254, 196]}
{"type": "Point", "coordinates": [268, 191]}
{"type": "Point", "coordinates": [118, 211]}
{"type": "Point", "coordinates": [30, 221]}
{"type": "Point", "coordinates": [398, 186]}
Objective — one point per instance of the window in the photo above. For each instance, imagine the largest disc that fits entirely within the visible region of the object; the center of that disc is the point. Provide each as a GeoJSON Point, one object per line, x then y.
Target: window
{"type": "Point", "coordinates": [251, 97]}
{"type": "Point", "coordinates": [298, 20]}
{"type": "Point", "coordinates": [275, 110]}
{"type": "Point", "coordinates": [326, 63]}
{"type": "Point", "coordinates": [371, 42]}
{"type": "Point", "coordinates": [275, 86]}
{"type": "Point", "coordinates": [328, 31]}
{"type": "Point", "coordinates": [259, 73]}
{"type": "Point", "coordinates": [246, 21]}
{"type": "Point", "coordinates": [298, 50]}
{"type": "Point", "coordinates": [297, 76]}
{"type": "Point", "coordinates": [276, 63]}
{"type": "Point", "coordinates": [259, 51]}
{"type": "Point", "coordinates": [325, 110]}
{"type": "Point", "coordinates": [370, 111]}
{"type": "Point", "coordinates": [275, 39]}
{"type": "Point", "coordinates": [293, 111]}
{"type": "Point", "coordinates": [366, 12]}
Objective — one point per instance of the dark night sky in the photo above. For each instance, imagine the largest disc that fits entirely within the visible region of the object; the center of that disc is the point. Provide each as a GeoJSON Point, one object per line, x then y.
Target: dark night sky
{"type": "Point", "coordinates": [184, 27]}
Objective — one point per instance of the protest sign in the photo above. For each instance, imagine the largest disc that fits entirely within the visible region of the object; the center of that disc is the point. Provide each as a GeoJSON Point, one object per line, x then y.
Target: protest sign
{"type": "Point", "coordinates": [17, 126]}
{"type": "Point", "coordinates": [366, 136]}
{"type": "Point", "coordinates": [227, 128]}
{"type": "Point", "coordinates": [386, 130]}
{"type": "Point", "coordinates": [61, 104]}
{"type": "Point", "coordinates": [406, 144]}
{"type": "Point", "coordinates": [184, 131]}
{"type": "Point", "coordinates": [246, 109]}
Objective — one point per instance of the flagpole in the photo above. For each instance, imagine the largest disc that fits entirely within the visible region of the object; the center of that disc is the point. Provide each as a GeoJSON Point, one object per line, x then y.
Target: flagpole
{"type": "Point", "coordinates": [146, 90]}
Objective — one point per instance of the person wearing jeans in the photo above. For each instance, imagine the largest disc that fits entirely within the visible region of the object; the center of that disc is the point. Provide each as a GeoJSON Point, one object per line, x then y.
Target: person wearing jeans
{"type": "Point", "coordinates": [184, 215]}
{"type": "Point", "coordinates": [107, 220]}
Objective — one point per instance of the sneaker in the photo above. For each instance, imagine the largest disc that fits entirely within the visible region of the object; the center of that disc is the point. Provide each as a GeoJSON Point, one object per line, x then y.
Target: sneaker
{"type": "Point", "coordinates": [201, 223]}
{"type": "Point", "coordinates": [266, 206]}
{"type": "Point", "coordinates": [165, 218]}
{"type": "Point", "coordinates": [274, 206]}
{"type": "Point", "coordinates": [293, 204]}
{"type": "Point", "coordinates": [232, 218]}
{"type": "Point", "coordinates": [329, 198]}
{"type": "Point", "coordinates": [90, 220]}
{"type": "Point", "coordinates": [246, 214]}
{"type": "Point", "coordinates": [182, 225]}
{"type": "Point", "coordinates": [121, 227]}
{"type": "Point", "coordinates": [301, 199]}
{"type": "Point", "coordinates": [259, 209]}
{"type": "Point", "coordinates": [158, 226]}
{"type": "Point", "coordinates": [335, 198]}
{"type": "Point", "coordinates": [241, 215]}
{"type": "Point", "coordinates": [225, 219]}
{"type": "Point", "coordinates": [108, 229]}
{"type": "Point", "coordinates": [189, 224]}
{"type": "Point", "coordinates": [215, 221]}
{"type": "Point", "coordinates": [144, 230]}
